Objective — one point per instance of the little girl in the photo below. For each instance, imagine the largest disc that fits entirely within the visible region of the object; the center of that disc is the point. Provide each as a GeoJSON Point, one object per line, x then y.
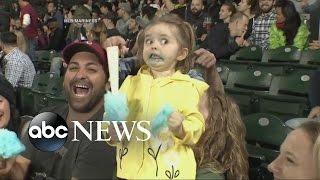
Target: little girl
{"type": "Point", "coordinates": [166, 45]}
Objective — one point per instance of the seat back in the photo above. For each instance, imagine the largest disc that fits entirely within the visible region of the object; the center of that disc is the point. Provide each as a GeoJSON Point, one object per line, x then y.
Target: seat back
{"type": "Point", "coordinates": [265, 129]}
{"type": "Point", "coordinates": [250, 80]}
{"type": "Point", "coordinates": [284, 54]}
{"type": "Point", "coordinates": [251, 53]}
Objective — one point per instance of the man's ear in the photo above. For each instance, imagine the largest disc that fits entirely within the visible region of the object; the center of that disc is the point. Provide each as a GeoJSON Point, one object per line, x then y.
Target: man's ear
{"type": "Point", "coordinates": [108, 87]}
{"type": "Point", "coordinates": [183, 54]}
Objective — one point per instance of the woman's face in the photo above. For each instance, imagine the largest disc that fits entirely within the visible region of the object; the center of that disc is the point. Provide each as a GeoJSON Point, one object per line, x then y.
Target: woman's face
{"type": "Point", "coordinates": [4, 112]}
{"type": "Point", "coordinates": [295, 160]}
{"type": "Point", "coordinates": [280, 17]}
{"type": "Point", "coordinates": [224, 12]}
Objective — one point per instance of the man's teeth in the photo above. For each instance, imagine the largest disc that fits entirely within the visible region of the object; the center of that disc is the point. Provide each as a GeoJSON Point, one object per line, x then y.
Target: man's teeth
{"type": "Point", "coordinates": [82, 86]}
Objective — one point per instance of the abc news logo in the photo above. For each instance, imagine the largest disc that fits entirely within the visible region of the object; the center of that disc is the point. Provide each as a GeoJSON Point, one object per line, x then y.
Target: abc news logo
{"type": "Point", "coordinates": [49, 131]}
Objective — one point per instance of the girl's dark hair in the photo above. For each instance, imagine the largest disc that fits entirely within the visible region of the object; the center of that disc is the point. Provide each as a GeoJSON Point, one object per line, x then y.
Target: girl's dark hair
{"type": "Point", "coordinates": [292, 22]}
{"type": "Point", "coordinates": [221, 148]}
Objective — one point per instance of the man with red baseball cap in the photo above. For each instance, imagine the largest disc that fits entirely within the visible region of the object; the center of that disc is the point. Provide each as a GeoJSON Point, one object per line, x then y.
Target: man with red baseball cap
{"type": "Point", "coordinates": [84, 85]}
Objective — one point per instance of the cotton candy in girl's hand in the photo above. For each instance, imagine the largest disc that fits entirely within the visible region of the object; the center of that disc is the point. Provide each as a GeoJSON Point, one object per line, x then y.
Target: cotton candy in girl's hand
{"type": "Point", "coordinates": [10, 144]}
{"type": "Point", "coordinates": [116, 106]}
{"type": "Point", "coordinates": [160, 121]}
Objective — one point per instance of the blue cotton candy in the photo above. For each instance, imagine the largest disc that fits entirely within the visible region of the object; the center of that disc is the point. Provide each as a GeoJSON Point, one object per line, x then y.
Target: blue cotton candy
{"type": "Point", "coordinates": [116, 106]}
{"type": "Point", "coordinates": [10, 145]}
{"type": "Point", "coordinates": [160, 121]}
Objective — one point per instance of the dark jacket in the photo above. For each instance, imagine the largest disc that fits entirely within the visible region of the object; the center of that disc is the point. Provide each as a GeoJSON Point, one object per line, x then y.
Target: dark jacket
{"type": "Point", "coordinates": [4, 21]}
{"type": "Point", "coordinates": [56, 40]}
{"type": "Point", "coordinates": [220, 43]}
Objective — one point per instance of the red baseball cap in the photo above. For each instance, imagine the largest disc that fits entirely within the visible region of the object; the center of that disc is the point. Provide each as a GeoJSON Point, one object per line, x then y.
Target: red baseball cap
{"type": "Point", "coordinates": [85, 46]}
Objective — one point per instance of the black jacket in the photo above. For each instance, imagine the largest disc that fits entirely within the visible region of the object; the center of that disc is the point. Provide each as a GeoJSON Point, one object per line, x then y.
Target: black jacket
{"type": "Point", "coordinates": [220, 43]}
{"type": "Point", "coordinates": [4, 21]}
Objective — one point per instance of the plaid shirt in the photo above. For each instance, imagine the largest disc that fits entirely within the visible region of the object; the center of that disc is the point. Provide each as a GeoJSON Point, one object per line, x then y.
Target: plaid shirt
{"type": "Point", "coordinates": [260, 29]}
{"type": "Point", "coordinates": [19, 69]}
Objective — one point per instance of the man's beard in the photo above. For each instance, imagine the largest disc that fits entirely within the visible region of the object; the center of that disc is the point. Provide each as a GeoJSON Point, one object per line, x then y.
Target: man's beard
{"type": "Point", "coordinates": [197, 13]}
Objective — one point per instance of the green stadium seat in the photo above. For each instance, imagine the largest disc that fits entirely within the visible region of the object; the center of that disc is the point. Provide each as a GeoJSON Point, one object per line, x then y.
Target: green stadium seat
{"type": "Point", "coordinates": [288, 54]}
{"type": "Point", "coordinates": [251, 53]}
{"type": "Point", "coordinates": [265, 134]}
{"type": "Point", "coordinates": [55, 94]}
{"type": "Point", "coordinates": [311, 57]}
{"type": "Point", "coordinates": [39, 89]}
{"type": "Point", "coordinates": [243, 87]}
{"type": "Point", "coordinates": [234, 65]}
{"type": "Point", "coordinates": [224, 73]}
{"type": "Point", "coordinates": [273, 68]}
{"type": "Point", "coordinates": [44, 60]}
{"type": "Point", "coordinates": [267, 130]}
{"type": "Point", "coordinates": [288, 96]}
{"type": "Point", "coordinates": [25, 101]}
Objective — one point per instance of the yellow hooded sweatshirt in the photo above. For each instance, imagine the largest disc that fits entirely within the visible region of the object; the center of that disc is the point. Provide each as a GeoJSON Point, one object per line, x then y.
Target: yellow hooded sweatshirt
{"type": "Point", "coordinates": [146, 97]}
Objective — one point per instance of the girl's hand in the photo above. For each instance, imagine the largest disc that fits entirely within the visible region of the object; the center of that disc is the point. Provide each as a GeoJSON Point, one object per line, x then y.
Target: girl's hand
{"type": "Point", "coordinates": [7, 165]}
{"type": "Point", "coordinates": [113, 134]}
{"type": "Point", "coordinates": [175, 124]}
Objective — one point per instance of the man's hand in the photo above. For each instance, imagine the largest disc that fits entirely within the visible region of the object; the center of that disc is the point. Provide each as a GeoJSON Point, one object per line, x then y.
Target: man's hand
{"type": "Point", "coordinates": [205, 58]}
{"type": "Point", "coordinates": [314, 45]}
{"type": "Point", "coordinates": [175, 124]}
{"type": "Point", "coordinates": [315, 112]}
{"type": "Point", "coordinates": [116, 41]}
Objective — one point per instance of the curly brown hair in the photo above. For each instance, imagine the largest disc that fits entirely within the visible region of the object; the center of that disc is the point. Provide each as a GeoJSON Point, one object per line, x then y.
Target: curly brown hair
{"type": "Point", "coordinates": [222, 146]}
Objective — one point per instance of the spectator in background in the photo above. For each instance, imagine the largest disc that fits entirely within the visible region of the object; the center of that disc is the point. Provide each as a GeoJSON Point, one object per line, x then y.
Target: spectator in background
{"type": "Point", "coordinates": [77, 30]}
{"type": "Point", "coordinates": [296, 159]}
{"type": "Point", "coordinates": [96, 13]}
{"type": "Point", "coordinates": [105, 7]}
{"type": "Point", "coordinates": [133, 31]}
{"type": "Point", "coordinates": [213, 10]}
{"type": "Point", "coordinates": [109, 21]}
{"type": "Point", "coordinates": [4, 21]}
{"type": "Point", "coordinates": [226, 11]}
{"type": "Point", "coordinates": [55, 34]}
{"type": "Point", "coordinates": [248, 7]}
{"type": "Point", "coordinates": [53, 12]}
{"type": "Point", "coordinates": [195, 16]}
{"type": "Point", "coordinates": [124, 15]}
{"type": "Point", "coordinates": [18, 68]}
{"type": "Point", "coordinates": [42, 38]}
{"type": "Point", "coordinates": [314, 11]}
{"type": "Point", "coordinates": [261, 24]}
{"type": "Point", "coordinates": [288, 28]}
{"type": "Point", "coordinates": [29, 20]}
{"type": "Point", "coordinates": [225, 39]}
{"type": "Point", "coordinates": [98, 33]}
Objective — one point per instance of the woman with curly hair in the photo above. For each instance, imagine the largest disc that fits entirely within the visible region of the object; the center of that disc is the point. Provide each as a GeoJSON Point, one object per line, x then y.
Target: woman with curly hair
{"type": "Point", "coordinates": [288, 28]}
{"type": "Point", "coordinates": [221, 151]}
